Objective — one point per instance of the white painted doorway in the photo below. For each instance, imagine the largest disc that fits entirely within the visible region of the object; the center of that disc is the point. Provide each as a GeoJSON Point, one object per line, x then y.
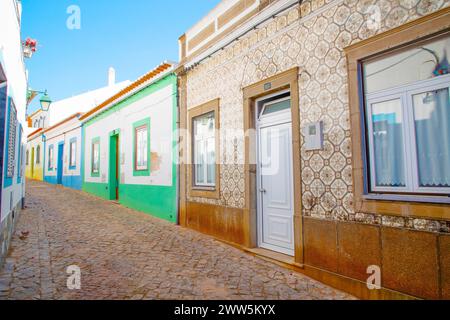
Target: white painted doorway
{"type": "Point", "coordinates": [275, 184]}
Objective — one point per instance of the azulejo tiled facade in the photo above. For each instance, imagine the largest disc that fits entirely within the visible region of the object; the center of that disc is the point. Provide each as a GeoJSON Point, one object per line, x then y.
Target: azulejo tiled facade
{"type": "Point", "coordinates": [311, 37]}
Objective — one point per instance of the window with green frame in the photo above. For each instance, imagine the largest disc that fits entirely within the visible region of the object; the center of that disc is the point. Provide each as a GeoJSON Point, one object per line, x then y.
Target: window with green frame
{"type": "Point", "coordinates": [95, 158]}
{"type": "Point", "coordinates": [141, 148]}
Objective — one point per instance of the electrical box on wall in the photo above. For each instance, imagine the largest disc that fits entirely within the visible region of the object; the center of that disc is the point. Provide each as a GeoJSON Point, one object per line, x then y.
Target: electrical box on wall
{"type": "Point", "coordinates": [313, 136]}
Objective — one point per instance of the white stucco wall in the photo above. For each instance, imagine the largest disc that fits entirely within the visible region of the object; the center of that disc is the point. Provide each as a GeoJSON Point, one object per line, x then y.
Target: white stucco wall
{"type": "Point", "coordinates": [157, 106]}
{"type": "Point", "coordinates": [62, 109]}
{"type": "Point", "coordinates": [12, 63]}
{"type": "Point", "coordinates": [64, 133]}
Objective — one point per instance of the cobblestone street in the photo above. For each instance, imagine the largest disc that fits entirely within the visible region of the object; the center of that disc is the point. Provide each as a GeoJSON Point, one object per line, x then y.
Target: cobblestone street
{"type": "Point", "coordinates": [124, 254]}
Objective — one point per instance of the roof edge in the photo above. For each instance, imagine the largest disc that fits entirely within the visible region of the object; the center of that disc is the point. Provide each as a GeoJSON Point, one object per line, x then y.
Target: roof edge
{"type": "Point", "coordinates": [75, 115]}
{"type": "Point", "coordinates": [149, 78]}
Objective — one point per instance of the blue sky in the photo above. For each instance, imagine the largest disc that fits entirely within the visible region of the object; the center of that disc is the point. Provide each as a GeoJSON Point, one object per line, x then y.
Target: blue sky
{"type": "Point", "coordinates": [131, 36]}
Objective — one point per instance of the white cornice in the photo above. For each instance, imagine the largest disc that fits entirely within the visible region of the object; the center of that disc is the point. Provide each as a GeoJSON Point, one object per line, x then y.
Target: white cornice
{"type": "Point", "coordinates": [247, 26]}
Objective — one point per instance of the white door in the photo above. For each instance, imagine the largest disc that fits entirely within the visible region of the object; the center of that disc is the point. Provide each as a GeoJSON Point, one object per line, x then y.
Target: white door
{"type": "Point", "coordinates": [275, 182]}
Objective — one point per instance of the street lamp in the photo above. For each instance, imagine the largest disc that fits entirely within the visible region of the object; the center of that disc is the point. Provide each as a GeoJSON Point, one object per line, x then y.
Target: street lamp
{"type": "Point", "coordinates": [45, 99]}
{"type": "Point", "coordinates": [45, 102]}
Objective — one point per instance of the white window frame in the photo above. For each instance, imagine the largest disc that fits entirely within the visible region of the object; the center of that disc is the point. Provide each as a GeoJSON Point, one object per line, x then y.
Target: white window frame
{"type": "Point", "coordinates": [137, 130]}
{"type": "Point", "coordinates": [51, 157]}
{"type": "Point", "coordinates": [73, 154]}
{"type": "Point", "coordinates": [94, 158]}
{"type": "Point", "coordinates": [204, 140]}
{"type": "Point", "coordinates": [268, 104]}
{"type": "Point", "coordinates": [405, 93]}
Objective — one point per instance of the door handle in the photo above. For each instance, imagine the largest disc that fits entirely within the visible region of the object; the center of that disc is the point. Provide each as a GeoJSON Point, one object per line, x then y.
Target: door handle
{"type": "Point", "coordinates": [262, 190]}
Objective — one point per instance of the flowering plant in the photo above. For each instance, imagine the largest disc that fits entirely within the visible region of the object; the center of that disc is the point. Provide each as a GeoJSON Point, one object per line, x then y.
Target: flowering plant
{"type": "Point", "coordinates": [29, 47]}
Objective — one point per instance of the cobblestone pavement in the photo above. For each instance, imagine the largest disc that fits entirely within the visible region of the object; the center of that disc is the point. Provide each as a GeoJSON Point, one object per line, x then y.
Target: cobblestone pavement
{"type": "Point", "coordinates": [124, 254]}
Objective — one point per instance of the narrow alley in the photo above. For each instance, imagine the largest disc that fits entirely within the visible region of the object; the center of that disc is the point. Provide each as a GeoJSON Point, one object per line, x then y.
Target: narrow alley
{"type": "Point", "coordinates": [124, 254]}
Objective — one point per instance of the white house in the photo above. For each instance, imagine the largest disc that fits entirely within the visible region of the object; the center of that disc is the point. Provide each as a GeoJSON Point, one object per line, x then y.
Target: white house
{"type": "Point", "coordinates": [61, 135]}
{"type": "Point", "coordinates": [62, 164]}
{"type": "Point", "coordinates": [13, 88]}
{"type": "Point", "coordinates": [130, 145]}
{"type": "Point", "coordinates": [62, 109]}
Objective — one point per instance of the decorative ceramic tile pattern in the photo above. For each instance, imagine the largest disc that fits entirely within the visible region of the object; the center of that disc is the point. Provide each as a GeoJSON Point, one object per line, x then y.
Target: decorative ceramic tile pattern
{"type": "Point", "coordinates": [311, 37]}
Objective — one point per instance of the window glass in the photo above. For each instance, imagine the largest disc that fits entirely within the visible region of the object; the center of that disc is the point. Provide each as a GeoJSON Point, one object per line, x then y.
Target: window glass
{"type": "Point", "coordinates": [432, 124]}
{"type": "Point", "coordinates": [96, 157]}
{"type": "Point", "coordinates": [73, 154]}
{"type": "Point", "coordinates": [204, 150]}
{"type": "Point", "coordinates": [277, 106]}
{"type": "Point", "coordinates": [141, 148]}
{"type": "Point", "coordinates": [407, 66]}
{"type": "Point", "coordinates": [38, 155]}
{"type": "Point", "coordinates": [388, 154]}
{"type": "Point", "coordinates": [50, 158]}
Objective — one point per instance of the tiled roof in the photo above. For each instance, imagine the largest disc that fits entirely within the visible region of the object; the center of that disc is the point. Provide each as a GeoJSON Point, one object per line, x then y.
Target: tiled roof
{"type": "Point", "coordinates": [147, 77]}
{"type": "Point", "coordinates": [34, 132]}
{"type": "Point", "coordinates": [76, 115]}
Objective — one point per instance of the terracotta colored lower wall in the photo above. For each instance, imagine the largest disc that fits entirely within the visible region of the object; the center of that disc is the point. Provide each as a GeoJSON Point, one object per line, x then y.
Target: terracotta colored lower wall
{"type": "Point", "coordinates": [412, 262]}
{"type": "Point", "coordinates": [221, 222]}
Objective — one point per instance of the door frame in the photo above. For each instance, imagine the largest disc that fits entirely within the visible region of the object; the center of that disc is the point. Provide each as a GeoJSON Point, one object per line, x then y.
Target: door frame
{"type": "Point", "coordinates": [60, 164]}
{"type": "Point", "coordinates": [276, 119]}
{"type": "Point", "coordinates": [114, 165]}
{"type": "Point", "coordinates": [287, 80]}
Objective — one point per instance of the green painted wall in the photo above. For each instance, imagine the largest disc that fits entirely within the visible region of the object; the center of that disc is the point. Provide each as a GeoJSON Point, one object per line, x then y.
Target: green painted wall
{"type": "Point", "coordinates": [155, 200]}
{"type": "Point", "coordinates": [98, 189]}
{"type": "Point", "coordinates": [159, 201]}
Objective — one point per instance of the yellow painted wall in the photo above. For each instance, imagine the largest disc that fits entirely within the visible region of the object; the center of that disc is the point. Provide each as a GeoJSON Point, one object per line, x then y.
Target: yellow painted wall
{"type": "Point", "coordinates": [36, 173]}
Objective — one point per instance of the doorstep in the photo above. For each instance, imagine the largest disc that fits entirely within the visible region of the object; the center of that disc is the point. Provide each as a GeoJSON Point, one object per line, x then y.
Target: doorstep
{"type": "Point", "coordinates": [281, 259]}
{"type": "Point", "coordinates": [273, 256]}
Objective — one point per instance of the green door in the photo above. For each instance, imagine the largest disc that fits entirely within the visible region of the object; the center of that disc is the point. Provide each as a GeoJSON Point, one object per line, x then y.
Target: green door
{"type": "Point", "coordinates": [114, 157]}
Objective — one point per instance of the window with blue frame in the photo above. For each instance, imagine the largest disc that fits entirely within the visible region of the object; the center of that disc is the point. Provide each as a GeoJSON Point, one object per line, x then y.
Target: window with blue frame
{"type": "Point", "coordinates": [73, 154]}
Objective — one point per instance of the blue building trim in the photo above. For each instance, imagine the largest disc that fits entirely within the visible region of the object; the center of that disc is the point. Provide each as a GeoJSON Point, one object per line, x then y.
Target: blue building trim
{"type": "Point", "coordinates": [68, 181]}
{"type": "Point", "coordinates": [7, 181]}
{"type": "Point", "coordinates": [73, 182]}
{"type": "Point", "coordinates": [19, 156]}
{"type": "Point", "coordinates": [3, 102]}
{"type": "Point", "coordinates": [51, 179]}
{"type": "Point", "coordinates": [82, 165]}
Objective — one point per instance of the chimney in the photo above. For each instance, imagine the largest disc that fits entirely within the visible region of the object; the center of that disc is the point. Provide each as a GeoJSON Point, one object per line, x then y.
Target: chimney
{"type": "Point", "coordinates": [111, 77]}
